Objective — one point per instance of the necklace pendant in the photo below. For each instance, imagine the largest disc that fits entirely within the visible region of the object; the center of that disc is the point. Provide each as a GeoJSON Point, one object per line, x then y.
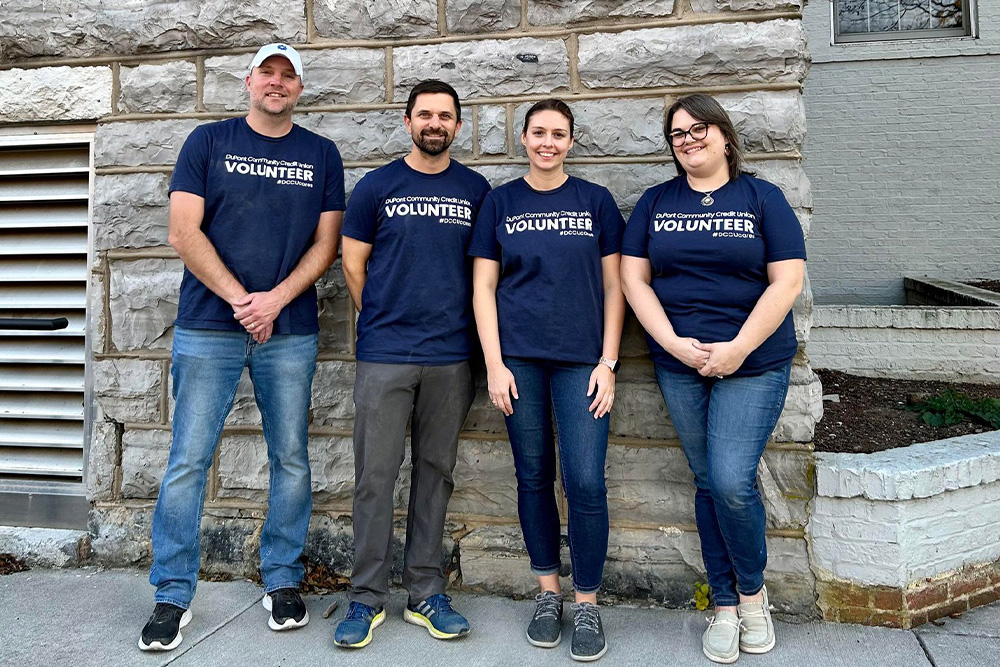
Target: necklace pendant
{"type": "Point", "coordinates": [707, 200]}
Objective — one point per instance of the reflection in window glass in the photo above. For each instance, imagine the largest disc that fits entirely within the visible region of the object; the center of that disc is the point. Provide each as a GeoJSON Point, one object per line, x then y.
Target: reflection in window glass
{"type": "Point", "coordinates": [881, 16]}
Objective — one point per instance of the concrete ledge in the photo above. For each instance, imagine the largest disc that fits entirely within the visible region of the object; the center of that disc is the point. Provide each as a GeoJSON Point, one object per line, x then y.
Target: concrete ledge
{"type": "Point", "coordinates": [46, 547]}
{"type": "Point", "coordinates": [940, 292]}
{"type": "Point", "coordinates": [906, 536]}
{"type": "Point", "coordinates": [918, 471]}
{"type": "Point", "coordinates": [906, 317]}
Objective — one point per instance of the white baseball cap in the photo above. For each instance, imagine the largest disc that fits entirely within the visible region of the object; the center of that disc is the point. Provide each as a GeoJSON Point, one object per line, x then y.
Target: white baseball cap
{"type": "Point", "coordinates": [282, 50]}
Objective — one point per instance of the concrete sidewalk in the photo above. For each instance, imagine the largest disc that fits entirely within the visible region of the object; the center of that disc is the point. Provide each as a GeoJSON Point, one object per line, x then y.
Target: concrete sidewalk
{"type": "Point", "coordinates": [88, 617]}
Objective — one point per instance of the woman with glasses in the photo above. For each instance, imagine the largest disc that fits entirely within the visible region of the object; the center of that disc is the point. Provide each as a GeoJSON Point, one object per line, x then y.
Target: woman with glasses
{"type": "Point", "coordinates": [713, 261]}
{"type": "Point", "coordinates": [549, 309]}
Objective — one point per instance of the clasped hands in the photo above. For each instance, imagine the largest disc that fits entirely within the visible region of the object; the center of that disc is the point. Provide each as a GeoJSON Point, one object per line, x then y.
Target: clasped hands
{"type": "Point", "coordinates": [710, 359]}
{"type": "Point", "coordinates": [257, 311]}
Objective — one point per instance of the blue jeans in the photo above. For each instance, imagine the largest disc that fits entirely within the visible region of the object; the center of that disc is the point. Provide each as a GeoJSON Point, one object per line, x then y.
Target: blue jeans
{"type": "Point", "coordinates": [546, 388]}
{"type": "Point", "coordinates": [723, 425]}
{"type": "Point", "coordinates": [206, 367]}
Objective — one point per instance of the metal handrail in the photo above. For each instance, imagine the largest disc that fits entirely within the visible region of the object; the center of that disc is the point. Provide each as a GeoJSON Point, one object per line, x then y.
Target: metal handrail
{"type": "Point", "coordinates": [33, 324]}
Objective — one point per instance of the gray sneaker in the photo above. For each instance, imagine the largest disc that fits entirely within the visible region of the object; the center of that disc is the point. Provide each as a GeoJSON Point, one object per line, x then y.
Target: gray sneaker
{"type": "Point", "coordinates": [721, 641]}
{"type": "Point", "coordinates": [588, 633]}
{"type": "Point", "coordinates": [758, 628]}
{"type": "Point", "coordinates": [545, 629]}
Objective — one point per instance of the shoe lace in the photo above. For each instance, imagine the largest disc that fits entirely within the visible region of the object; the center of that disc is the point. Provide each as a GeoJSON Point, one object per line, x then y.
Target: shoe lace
{"type": "Point", "coordinates": [440, 603]}
{"type": "Point", "coordinates": [284, 596]}
{"type": "Point", "coordinates": [359, 611]}
{"type": "Point", "coordinates": [164, 611]}
{"type": "Point", "coordinates": [586, 617]}
{"type": "Point", "coordinates": [715, 620]}
{"type": "Point", "coordinates": [549, 605]}
{"type": "Point", "coordinates": [756, 611]}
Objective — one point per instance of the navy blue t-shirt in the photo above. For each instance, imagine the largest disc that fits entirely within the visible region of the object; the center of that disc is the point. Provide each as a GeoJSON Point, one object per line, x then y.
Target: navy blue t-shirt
{"type": "Point", "coordinates": [416, 306]}
{"type": "Point", "coordinates": [550, 297]}
{"type": "Point", "coordinates": [263, 198]}
{"type": "Point", "coordinates": [709, 263]}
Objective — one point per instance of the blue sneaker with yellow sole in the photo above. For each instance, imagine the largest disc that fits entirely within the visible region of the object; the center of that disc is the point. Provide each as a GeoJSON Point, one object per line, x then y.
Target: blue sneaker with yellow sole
{"type": "Point", "coordinates": [355, 631]}
{"type": "Point", "coordinates": [435, 614]}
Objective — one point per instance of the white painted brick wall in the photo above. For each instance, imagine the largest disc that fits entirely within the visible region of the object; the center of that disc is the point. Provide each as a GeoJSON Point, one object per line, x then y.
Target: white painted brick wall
{"type": "Point", "coordinates": [910, 342]}
{"type": "Point", "coordinates": [907, 473]}
{"type": "Point", "coordinates": [900, 516]}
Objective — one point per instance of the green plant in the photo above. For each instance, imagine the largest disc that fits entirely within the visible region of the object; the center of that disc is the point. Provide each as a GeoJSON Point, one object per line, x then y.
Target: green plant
{"type": "Point", "coordinates": [951, 407]}
{"type": "Point", "coordinates": [700, 596]}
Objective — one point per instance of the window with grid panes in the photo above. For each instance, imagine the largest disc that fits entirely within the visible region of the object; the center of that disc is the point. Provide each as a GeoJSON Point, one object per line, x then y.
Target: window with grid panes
{"type": "Point", "coordinates": [880, 20]}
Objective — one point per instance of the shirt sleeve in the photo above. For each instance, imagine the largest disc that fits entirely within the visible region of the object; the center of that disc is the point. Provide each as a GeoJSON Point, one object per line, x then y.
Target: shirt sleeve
{"type": "Point", "coordinates": [361, 218]}
{"type": "Point", "coordinates": [780, 229]}
{"type": "Point", "coordinates": [612, 224]}
{"type": "Point", "coordinates": [484, 235]}
{"type": "Point", "coordinates": [635, 242]}
{"type": "Point", "coordinates": [333, 192]}
{"type": "Point", "coordinates": [191, 171]}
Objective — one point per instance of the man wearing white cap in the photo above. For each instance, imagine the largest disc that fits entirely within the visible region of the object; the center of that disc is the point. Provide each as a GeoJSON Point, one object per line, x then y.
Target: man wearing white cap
{"type": "Point", "coordinates": [256, 205]}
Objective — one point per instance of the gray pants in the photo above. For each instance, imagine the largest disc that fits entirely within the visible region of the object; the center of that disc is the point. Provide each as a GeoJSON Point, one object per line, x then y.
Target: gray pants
{"type": "Point", "coordinates": [385, 395]}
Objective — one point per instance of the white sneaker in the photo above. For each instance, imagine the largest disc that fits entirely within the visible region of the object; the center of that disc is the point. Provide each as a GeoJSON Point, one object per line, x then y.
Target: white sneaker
{"type": "Point", "coordinates": [758, 628]}
{"type": "Point", "coordinates": [721, 641]}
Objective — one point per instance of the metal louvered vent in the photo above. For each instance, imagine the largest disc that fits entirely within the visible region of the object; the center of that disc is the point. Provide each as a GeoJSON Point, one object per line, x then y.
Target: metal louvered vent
{"type": "Point", "coordinates": [44, 219]}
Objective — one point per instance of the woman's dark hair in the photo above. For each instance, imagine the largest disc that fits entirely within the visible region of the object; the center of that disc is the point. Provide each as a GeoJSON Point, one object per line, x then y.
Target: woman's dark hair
{"type": "Point", "coordinates": [433, 86]}
{"type": "Point", "coordinates": [704, 108]}
{"type": "Point", "coordinates": [549, 105]}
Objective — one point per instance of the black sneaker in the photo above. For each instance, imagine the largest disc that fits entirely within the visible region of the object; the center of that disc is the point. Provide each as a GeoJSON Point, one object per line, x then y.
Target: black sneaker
{"type": "Point", "coordinates": [545, 629]}
{"type": "Point", "coordinates": [588, 633]}
{"type": "Point", "coordinates": [163, 629]}
{"type": "Point", "coordinates": [288, 611]}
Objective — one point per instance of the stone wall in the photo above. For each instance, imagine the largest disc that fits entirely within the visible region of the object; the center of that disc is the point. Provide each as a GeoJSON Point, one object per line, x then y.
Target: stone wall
{"type": "Point", "coordinates": [149, 74]}
{"type": "Point", "coordinates": [908, 342]}
{"type": "Point", "coordinates": [909, 535]}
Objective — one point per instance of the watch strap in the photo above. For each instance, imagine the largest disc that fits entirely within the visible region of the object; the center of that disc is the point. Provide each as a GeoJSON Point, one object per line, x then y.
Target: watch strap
{"type": "Point", "coordinates": [613, 364]}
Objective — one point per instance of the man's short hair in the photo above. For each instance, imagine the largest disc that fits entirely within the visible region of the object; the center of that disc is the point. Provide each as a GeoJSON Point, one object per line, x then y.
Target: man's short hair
{"type": "Point", "coordinates": [433, 86]}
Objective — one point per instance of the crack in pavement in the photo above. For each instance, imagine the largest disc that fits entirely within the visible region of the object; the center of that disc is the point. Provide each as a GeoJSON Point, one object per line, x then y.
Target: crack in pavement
{"type": "Point", "coordinates": [218, 627]}
{"type": "Point", "coordinates": [923, 647]}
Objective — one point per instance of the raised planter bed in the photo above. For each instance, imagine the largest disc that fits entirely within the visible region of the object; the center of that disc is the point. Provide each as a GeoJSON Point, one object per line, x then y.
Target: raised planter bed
{"type": "Point", "coordinates": [905, 536]}
{"type": "Point", "coordinates": [939, 292]}
{"type": "Point", "coordinates": [953, 334]}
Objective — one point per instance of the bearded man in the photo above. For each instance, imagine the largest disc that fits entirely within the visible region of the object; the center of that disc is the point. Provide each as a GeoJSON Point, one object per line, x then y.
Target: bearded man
{"type": "Point", "coordinates": [406, 232]}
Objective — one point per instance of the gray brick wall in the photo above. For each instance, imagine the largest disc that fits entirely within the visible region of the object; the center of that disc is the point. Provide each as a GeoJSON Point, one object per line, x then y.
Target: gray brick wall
{"type": "Point", "coordinates": [902, 156]}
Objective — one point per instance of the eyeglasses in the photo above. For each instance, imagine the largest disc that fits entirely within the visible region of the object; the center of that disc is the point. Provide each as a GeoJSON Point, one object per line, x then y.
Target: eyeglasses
{"type": "Point", "coordinates": [697, 131]}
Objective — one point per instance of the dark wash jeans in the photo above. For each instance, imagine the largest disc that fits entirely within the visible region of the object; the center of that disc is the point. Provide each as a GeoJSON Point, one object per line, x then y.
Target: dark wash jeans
{"type": "Point", "coordinates": [546, 388]}
{"type": "Point", "coordinates": [723, 425]}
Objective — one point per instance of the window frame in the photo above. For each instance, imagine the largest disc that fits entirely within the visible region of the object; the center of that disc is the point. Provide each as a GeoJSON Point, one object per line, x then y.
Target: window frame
{"type": "Point", "coordinates": [968, 30]}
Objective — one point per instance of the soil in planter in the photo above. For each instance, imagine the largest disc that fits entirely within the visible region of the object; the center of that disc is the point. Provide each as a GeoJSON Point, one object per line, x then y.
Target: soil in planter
{"type": "Point", "coordinates": [870, 414]}
{"type": "Point", "coordinates": [991, 285]}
